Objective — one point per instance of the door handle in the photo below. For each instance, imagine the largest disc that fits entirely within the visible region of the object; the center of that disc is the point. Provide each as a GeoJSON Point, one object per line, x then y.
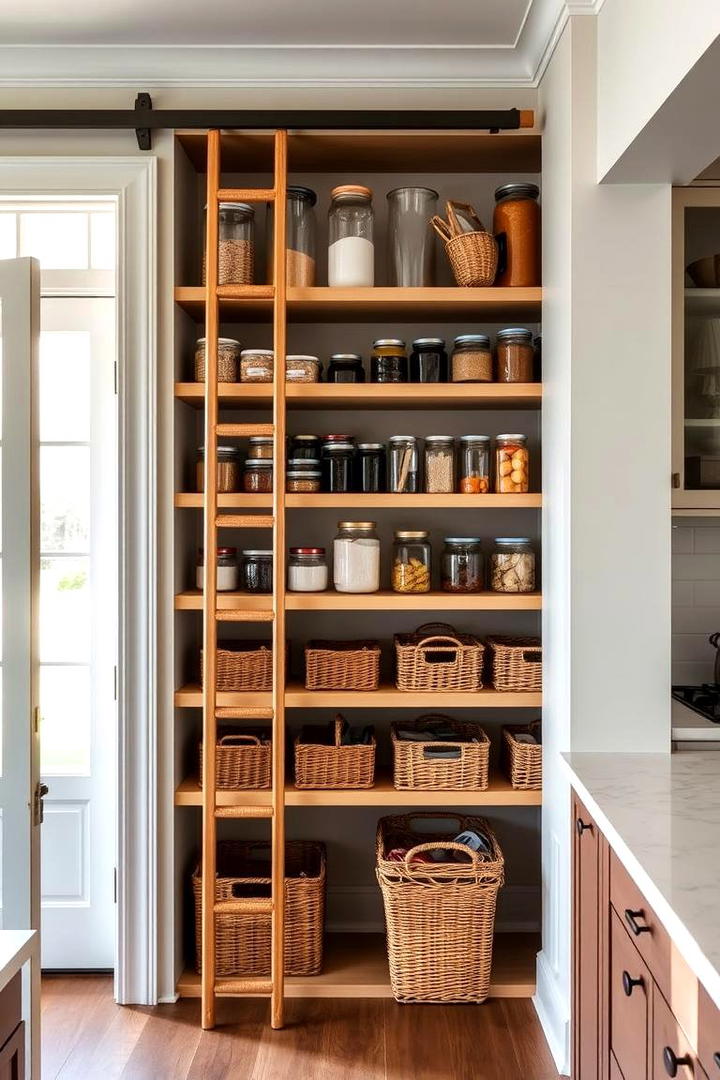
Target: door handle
{"type": "Point", "coordinates": [631, 918]}
{"type": "Point", "coordinates": [41, 791]}
{"type": "Point", "coordinates": [716, 1058]}
{"type": "Point", "coordinates": [581, 826]}
{"type": "Point", "coordinates": [671, 1061]}
{"type": "Point", "coordinates": [629, 983]}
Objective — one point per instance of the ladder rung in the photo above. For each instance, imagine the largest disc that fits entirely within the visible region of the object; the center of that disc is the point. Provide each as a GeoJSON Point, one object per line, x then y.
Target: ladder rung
{"type": "Point", "coordinates": [250, 195]}
{"type": "Point", "coordinates": [249, 712]}
{"type": "Point", "coordinates": [224, 615]}
{"type": "Point", "coordinates": [243, 986]}
{"type": "Point", "coordinates": [241, 430]}
{"type": "Point", "coordinates": [244, 905]}
{"type": "Point", "coordinates": [243, 811]}
{"type": "Point", "coordinates": [246, 292]}
{"type": "Point", "coordinates": [244, 521]}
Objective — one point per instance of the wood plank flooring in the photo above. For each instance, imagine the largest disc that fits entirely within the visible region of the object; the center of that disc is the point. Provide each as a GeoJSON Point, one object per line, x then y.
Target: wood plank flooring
{"type": "Point", "coordinates": [85, 1036]}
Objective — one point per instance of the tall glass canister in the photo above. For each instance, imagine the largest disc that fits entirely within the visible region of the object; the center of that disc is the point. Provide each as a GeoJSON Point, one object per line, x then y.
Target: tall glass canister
{"type": "Point", "coordinates": [411, 240]}
{"type": "Point", "coordinates": [351, 252]}
{"type": "Point", "coordinates": [300, 239]}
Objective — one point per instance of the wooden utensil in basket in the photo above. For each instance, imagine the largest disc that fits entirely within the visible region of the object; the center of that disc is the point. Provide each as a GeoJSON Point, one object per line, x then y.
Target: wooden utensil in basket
{"type": "Point", "coordinates": [473, 255]}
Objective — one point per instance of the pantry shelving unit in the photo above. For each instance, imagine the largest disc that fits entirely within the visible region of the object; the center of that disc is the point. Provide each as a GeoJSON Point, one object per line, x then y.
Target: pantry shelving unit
{"type": "Point", "coordinates": [256, 166]}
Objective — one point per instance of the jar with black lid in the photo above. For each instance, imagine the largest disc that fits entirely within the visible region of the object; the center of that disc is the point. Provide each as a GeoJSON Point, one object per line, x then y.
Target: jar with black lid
{"type": "Point", "coordinates": [388, 361]}
{"type": "Point", "coordinates": [428, 361]}
{"type": "Point", "coordinates": [336, 466]}
{"type": "Point", "coordinates": [257, 571]}
{"type": "Point", "coordinates": [346, 368]}
{"type": "Point", "coordinates": [305, 446]}
{"type": "Point", "coordinates": [370, 467]}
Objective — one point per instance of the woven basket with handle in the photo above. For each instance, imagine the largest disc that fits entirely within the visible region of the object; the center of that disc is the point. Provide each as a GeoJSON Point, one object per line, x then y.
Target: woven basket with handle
{"type": "Point", "coordinates": [473, 255]}
{"type": "Point", "coordinates": [426, 764]}
{"type": "Point", "coordinates": [342, 665]}
{"type": "Point", "coordinates": [437, 658]}
{"type": "Point", "coordinates": [246, 665]}
{"type": "Point", "coordinates": [523, 761]}
{"type": "Point", "coordinates": [338, 766]}
{"type": "Point", "coordinates": [516, 664]}
{"type": "Point", "coordinates": [241, 761]}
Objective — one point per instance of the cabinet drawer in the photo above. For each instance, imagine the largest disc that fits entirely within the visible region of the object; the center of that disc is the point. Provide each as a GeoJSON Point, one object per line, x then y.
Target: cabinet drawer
{"type": "Point", "coordinates": [642, 924]}
{"type": "Point", "coordinates": [629, 1004]}
{"type": "Point", "coordinates": [10, 1008]}
{"type": "Point", "coordinates": [709, 1035]}
{"type": "Point", "coordinates": [672, 1052]}
{"type": "Point", "coordinates": [615, 1073]}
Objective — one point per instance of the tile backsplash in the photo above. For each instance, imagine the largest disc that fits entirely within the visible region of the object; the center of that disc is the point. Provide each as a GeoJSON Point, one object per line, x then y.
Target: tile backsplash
{"type": "Point", "coordinates": [695, 599]}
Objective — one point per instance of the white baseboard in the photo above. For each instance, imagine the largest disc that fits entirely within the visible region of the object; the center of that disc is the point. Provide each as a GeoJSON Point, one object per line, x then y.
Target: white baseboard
{"type": "Point", "coordinates": [554, 1014]}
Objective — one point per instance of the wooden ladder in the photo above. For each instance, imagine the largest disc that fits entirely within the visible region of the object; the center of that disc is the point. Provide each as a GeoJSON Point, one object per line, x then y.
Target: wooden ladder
{"type": "Point", "coordinates": [274, 809]}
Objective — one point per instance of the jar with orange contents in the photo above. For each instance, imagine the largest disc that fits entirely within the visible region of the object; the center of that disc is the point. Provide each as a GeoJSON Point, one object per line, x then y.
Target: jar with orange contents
{"type": "Point", "coordinates": [516, 224]}
{"type": "Point", "coordinates": [474, 465]}
{"type": "Point", "coordinates": [511, 464]}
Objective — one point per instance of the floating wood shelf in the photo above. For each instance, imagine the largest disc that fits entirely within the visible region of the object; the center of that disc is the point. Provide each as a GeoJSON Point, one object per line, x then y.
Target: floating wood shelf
{"type": "Point", "coordinates": [387, 697]}
{"type": "Point", "coordinates": [386, 600]}
{"type": "Point", "coordinates": [239, 500]}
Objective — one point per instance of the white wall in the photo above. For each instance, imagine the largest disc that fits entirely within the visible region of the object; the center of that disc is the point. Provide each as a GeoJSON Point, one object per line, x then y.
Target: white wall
{"type": "Point", "coordinates": [696, 598]}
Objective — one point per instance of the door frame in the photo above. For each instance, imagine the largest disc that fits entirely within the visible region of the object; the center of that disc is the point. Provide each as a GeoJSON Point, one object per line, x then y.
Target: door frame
{"type": "Point", "coordinates": [133, 181]}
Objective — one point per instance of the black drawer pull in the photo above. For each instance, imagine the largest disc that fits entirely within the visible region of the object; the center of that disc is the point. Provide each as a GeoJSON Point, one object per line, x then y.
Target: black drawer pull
{"type": "Point", "coordinates": [672, 1062]}
{"type": "Point", "coordinates": [629, 983]}
{"type": "Point", "coordinates": [631, 918]}
{"type": "Point", "coordinates": [581, 826]}
{"type": "Point", "coordinates": [716, 1058]}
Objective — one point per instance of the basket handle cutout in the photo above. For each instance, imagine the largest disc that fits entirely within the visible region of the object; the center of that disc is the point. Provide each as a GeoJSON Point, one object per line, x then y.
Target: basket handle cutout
{"type": "Point", "coordinates": [532, 656]}
{"type": "Point", "coordinates": [449, 752]}
{"type": "Point", "coordinates": [242, 890]}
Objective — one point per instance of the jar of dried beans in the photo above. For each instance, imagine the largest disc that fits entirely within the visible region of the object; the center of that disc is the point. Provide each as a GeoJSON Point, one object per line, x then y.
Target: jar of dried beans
{"type": "Point", "coordinates": [236, 244]}
{"type": "Point", "coordinates": [228, 469]}
{"type": "Point", "coordinates": [515, 355]}
{"type": "Point", "coordinates": [302, 369]}
{"type": "Point", "coordinates": [512, 565]}
{"type": "Point", "coordinates": [511, 464]}
{"type": "Point", "coordinates": [472, 359]}
{"type": "Point", "coordinates": [474, 465]}
{"type": "Point", "coordinates": [516, 224]}
{"type": "Point", "coordinates": [228, 357]}
{"type": "Point", "coordinates": [258, 475]}
{"type": "Point", "coordinates": [411, 562]}
{"type": "Point", "coordinates": [439, 464]}
{"type": "Point", "coordinates": [461, 569]}
{"type": "Point", "coordinates": [256, 365]}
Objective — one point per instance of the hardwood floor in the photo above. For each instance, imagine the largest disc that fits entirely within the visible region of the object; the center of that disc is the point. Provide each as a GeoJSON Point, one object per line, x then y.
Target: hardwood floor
{"type": "Point", "coordinates": [85, 1036]}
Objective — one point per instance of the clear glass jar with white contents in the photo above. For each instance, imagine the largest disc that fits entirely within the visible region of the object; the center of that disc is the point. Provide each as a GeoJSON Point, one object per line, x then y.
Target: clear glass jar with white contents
{"type": "Point", "coordinates": [307, 570]}
{"type": "Point", "coordinates": [351, 253]}
{"type": "Point", "coordinates": [227, 569]}
{"type": "Point", "coordinates": [356, 557]}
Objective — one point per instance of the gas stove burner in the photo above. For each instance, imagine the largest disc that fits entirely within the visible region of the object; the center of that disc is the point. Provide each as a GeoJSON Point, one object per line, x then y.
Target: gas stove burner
{"type": "Point", "coordinates": [704, 699]}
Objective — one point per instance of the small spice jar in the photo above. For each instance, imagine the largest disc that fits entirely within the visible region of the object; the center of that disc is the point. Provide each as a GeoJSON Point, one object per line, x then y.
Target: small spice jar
{"type": "Point", "coordinates": [439, 464]}
{"type": "Point", "coordinates": [258, 475]}
{"type": "Point", "coordinates": [303, 465]}
{"type": "Point", "coordinates": [515, 355]}
{"type": "Point", "coordinates": [304, 446]}
{"type": "Point", "coordinates": [345, 368]}
{"type": "Point", "coordinates": [472, 359]}
{"type": "Point", "coordinates": [511, 464]}
{"type": "Point", "coordinates": [228, 357]}
{"type": "Point", "coordinates": [307, 569]}
{"type": "Point", "coordinates": [228, 469]}
{"type": "Point", "coordinates": [461, 567]}
{"type": "Point", "coordinates": [260, 446]}
{"type": "Point", "coordinates": [412, 556]}
{"type": "Point", "coordinates": [257, 571]}
{"type": "Point", "coordinates": [428, 361]}
{"type": "Point", "coordinates": [227, 569]}
{"type": "Point", "coordinates": [236, 244]}
{"type": "Point", "coordinates": [336, 466]}
{"type": "Point", "coordinates": [302, 369]}
{"type": "Point", "coordinates": [369, 467]}
{"type": "Point", "coordinates": [303, 480]}
{"type": "Point", "coordinates": [388, 361]}
{"type": "Point", "coordinates": [356, 557]}
{"type": "Point", "coordinates": [256, 365]}
{"type": "Point", "coordinates": [474, 465]}
{"type": "Point", "coordinates": [512, 565]}
{"type": "Point", "coordinates": [403, 464]}
{"type": "Point", "coordinates": [516, 225]}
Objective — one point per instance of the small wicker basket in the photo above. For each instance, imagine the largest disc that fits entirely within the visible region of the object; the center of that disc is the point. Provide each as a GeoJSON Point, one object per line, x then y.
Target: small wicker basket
{"type": "Point", "coordinates": [516, 664]}
{"type": "Point", "coordinates": [439, 916]}
{"type": "Point", "coordinates": [242, 761]}
{"type": "Point", "coordinates": [416, 764]}
{"type": "Point", "coordinates": [437, 658]}
{"type": "Point", "coordinates": [338, 766]}
{"type": "Point", "coordinates": [244, 665]}
{"type": "Point", "coordinates": [342, 665]}
{"type": "Point", "coordinates": [473, 255]}
{"type": "Point", "coordinates": [523, 761]}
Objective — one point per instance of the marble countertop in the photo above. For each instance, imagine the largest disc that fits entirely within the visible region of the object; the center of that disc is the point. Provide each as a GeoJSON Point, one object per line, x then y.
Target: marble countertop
{"type": "Point", "coordinates": [16, 947]}
{"type": "Point", "coordinates": [661, 815]}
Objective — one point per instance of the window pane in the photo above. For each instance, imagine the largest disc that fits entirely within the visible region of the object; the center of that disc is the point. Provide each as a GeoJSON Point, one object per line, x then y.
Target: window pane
{"type": "Point", "coordinates": [59, 241]}
{"type": "Point", "coordinates": [65, 610]}
{"type": "Point", "coordinates": [102, 241]}
{"type": "Point", "coordinates": [64, 385]}
{"type": "Point", "coordinates": [65, 724]}
{"type": "Point", "coordinates": [65, 498]}
{"type": "Point", "coordinates": [8, 236]}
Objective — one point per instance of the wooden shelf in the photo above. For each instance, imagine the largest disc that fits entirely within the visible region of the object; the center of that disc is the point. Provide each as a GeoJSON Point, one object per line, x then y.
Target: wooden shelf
{"type": "Point", "coordinates": [240, 500]}
{"type": "Point", "coordinates": [371, 395]}
{"type": "Point", "coordinates": [356, 966]}
{"type": "Point", "coordinates": [387, 697]}
{"type": "Point", "coordinates": [250, 302]}
{"type": "Point", "coordinates": [386, 600]}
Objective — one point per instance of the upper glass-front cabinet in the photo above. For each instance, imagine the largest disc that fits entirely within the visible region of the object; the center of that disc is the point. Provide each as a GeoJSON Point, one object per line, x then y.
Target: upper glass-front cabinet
{"type": "Point", "coordinates": [696, 349]}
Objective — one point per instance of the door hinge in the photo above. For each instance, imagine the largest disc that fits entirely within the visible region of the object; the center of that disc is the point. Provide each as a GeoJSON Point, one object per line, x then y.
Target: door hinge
{"type": "Point", "coordinates": [37, 718]}
{"type": "Point", "coordinates": [115, 885]}
{"type": "Point", "coordinates": [676, 480]}
{"type": "Point", "coordinates": [41, 791]}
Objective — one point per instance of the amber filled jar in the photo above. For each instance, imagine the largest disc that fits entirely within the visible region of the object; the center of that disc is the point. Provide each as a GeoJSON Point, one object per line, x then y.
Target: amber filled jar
{"type": "Point", "coordinates": [515, 355]}
{"type": "Point", "coordinates": [258, 475]}
{"type": "Point", "coordinates": [511, 464]}
{"type": "Point", "coordinates": [516, 224]}
{"type": "Point", "coordinates": [388, 361]}
{"type": "Point", "coordinates": [411, 562]}
{"type": "Point", "coordinates": [474, 465]}
{"type": "Point", "coordinates": [228, 469]}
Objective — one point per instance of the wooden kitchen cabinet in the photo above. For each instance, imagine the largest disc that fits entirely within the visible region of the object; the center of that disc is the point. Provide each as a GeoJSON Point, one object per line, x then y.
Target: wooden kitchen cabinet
{"type": "Point", "coordinates": [672, 1052]}
{"type": "Point", "coordinates": [589, 931]}
{"type": "Point", "coordinates": [709, 1034]}
{"type": "Point", "coordinates": [630, 987]}
{"type": "Point", "coordinates": [12, 1031]}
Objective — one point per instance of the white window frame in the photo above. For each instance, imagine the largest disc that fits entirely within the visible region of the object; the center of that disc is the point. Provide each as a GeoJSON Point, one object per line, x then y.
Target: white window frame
{"type": "Point", "coordinates": [133, 181]}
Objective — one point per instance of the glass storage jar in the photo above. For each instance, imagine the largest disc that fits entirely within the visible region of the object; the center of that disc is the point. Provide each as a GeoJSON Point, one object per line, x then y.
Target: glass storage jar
{"type": "Point", "coordinates": [403, 464]}
{"type": "Point", "coordinates": [236, 244]}
{"type": "Point", "coordinates": [346, 368]}
{"type": "Point", "coordinates": [512, 565]}
{"type": "Point", "coordinates": [305, 446]}
{"type": "Point", "coordinates": [474, 465]}
{"type": "Point", "coordinates": [260, 446]}
{"type": "Point", "coordinates": [428, 361]}
{"type": "Point", "coordinates": [511, 464]}
{"type": "Point", "coordinates": [228, 469]}
{"type": "Point", "coordinates": [228, 359]}
{"type": "Point", "coordinates": [370, 467]}
{"type": "Point", "coordinates": [303, 480]}
{"type": "Point", "coordinates": [411, 241]}
{"type": "Point", "coordinates": [516, 225]}
{"type": "Point", "coordinates": [258, 475]}
{"type": "Point", "coordinates": [227, 569]}
{"type": "Point", "coordinates": [351, 254]}
{"type": "Point", "coordinates": [356, 557]}
{"type": "Point", "coordinates": [439, 464]}
{"type": "Point", "coordinates": [302, 369]}
{"type": "Point", "coordinates": [299, 237]}
{"type": "Point", "coordinates": [307, 569]}
{"type": "Point", "coordinates": [257, 571]}
{"type": "Point", "coordinates": [336, 464]}
{"type": "Point", "coordinates": [472, 359]}
{"type": "Point", "coordinates": [515, 355]}
{"type": "Point", "coordinates": [303, 465]}
{"type": "Point", "coordinates": [461, 569]}
{"type": "Point", "coordinates": [257, 365]}
{"type": "Point", "coordinates": [412, 556]}
{"type": "Point", "coordinates": [388, 361]}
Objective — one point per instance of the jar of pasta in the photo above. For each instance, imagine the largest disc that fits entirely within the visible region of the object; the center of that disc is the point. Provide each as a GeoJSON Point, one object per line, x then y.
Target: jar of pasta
{"type": "Point", "coordinates": [474, 465]}
{"type": "Point", "coordinates": [516, 224]}
{"type": "Point", "coordinates": [512, 565]}
{"type": "Point", "coordinates": [411, 562]}
{"type": "Point", "coordinates": [228, 469]}
{"type": "Point", "coordinates": [511, 464]}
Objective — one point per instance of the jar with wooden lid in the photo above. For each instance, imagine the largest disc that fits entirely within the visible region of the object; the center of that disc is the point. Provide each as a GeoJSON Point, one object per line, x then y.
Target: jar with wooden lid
{"type": "Point", "coordinates": [351, 253]}
{"type": "Point", "coordinates": [236, 244]}
{"type": "Point", "coordinates": [515, 355]}
{"type": "Point", "coordinates": [472, 359]}
{"type": "Point", "coordinates": [258, 475]}
{"type": "Point", "coordinates": [227, 573]}
{"type": "Point", "coordinates": [260, 446]}
{"type": "Point", "coordinates": [257, 365]}
{"type": "Point", "coordinates": [516, 224]}
{"type": "Point", "coordinates": [512, 464]}
{"type": "Point", "coordinates": [228, 469]}
{"type": "Point", "coordinates": [412, 556]}
{"type": "Point", "coordinates": [388, 361]}
{"type": "Point", "coordinates": [474, 465]}
{"type": "Point", "coordinates": [512, 565]}
{"type": "Point", "coordinates": [356, 557]}
{"type": "Point", "coordinates": [439, 464]}
{"type": "Point", "coordinates": [228, 358]}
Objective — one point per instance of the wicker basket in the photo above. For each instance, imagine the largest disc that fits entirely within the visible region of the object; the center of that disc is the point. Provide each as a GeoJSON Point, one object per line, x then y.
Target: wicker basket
{"type": "Point", "coordinates": [473, 255]}
{"type": "Point", "coordinates": [338, 766]}
{"type": "Point", "coordinates": [516, 663]}
{"type": "Point", "coordinates": [523, 761]}
{"type": "Point", "coordinates": [439, 916]}
{"type": "Point", "coordinates": [242, 942]}
{"type": "Point", "coordinates": [241, 761]}
{"type": "Point", "coordinates": [342, 665]}
{"type": "Point", "coordinates": [437, 658]}
{"type": "Point", "coordinates": [415, 767]}
{"type": "Point", "coordinates": [245, 665]}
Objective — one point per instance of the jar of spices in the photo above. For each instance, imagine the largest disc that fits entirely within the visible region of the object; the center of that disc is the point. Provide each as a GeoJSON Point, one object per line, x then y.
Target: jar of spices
{"type": "Point", "coordinates": [388, 361]}
{"type": "Point", "coordinates": [299, 238]}
{"type": "Point", "coordinates": [511, 464]}
{"type": "Point", "coordinates": [472, 359]}
{"type": "Point", "coordinates": [307, 570]}
{"type": "Point", "coordinates": [257, 571]}
{"type": "Point", "coordinates": [227, 569]}
{"type": "Point", "coordinates": [260, 446]}
{"type": "Point", "coordinates": [351, 254]}
{"type": "Point", "coordinates": [305, 446]}
{"type": "Point", "coordinates": [228, 358]}
{"type": "Point", "coordinates": [356, 557]}
{"type": "Point", "coordinates": [346, 368]}
{"type": "Point", "coordinates": [461, 568]}
{"type": "Point", "coordinates": [516, 224]}
{"type": "Point", "coordinates": [257, 365]}
{"type": "Point", "coordinates": [236, 244]}
{"type": "Point", "coordinates": [302, 369]}
{"type": "Point", "coordinates": [512, 565]}
{"type": "Point", "coordinates": [258, 475]}
{"type": "Point", "coordinates": [228, 469]}
{"type": "Point", "coordinates": [303, 480]}
{"type": "Point", "coordinates": [303, 465]}
{"type": "Point", "coordinates": [439, 464]}
{"type": "Point", "coordinates": [403, 465]}
{"type": "Point", "coordinates": [474, 465]}
{"type": "Point", "coordinates": [370, 467]}
{"type": "Point", "coordinates": [336, 465]}
{"type": "Point", "coordinates": [515, 355]}
{"type": "Point", "coordinates": [428, 361]}
{"type": "Point", "coordinates": [411, 562]}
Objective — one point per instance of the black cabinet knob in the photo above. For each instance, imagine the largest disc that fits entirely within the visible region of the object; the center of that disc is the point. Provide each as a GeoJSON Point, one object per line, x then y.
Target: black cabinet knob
{"type": "Point", "coordinates": [629, 983]}
{"type": "Point", "coordinates": [631, 918]}
{"type": "Point", "coordinates": [672, 1062]}
{"type": "Point", "coordinates": [581, 826]}
{"type": "Point", "coordinates": [716, 1058]}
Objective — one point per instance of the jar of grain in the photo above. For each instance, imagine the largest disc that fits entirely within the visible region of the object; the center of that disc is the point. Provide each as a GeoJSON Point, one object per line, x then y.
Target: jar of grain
{"type": "Point", "coordinates": [403, 464]}
{"type": "Point", "coordinates": [227, 569]}
{"type": "Point", "coordinates": [472, 359]}
{"type": "Point", "coordinates": [228, 469]}
{"type": "Point", "coordinates": [512, 565]}
{"type": "Point", "coordinates": [356, 557]}
{"type": "Point", "coordinates": [351, 254]}
{"type": "Point", "coordinates": [307, 570]}
{"type": "Point", "coordinates": [300, 237]}
{"type": "Point", "coordinates": [515, 355]}
{"type": "Point", "coordinates": [439, 464]}
{"type": "Point", "coordinates": [516, 224]}
{"type": "Point", "coordinates": [260, 446]}
{"type": "Point", "coordinates": [303, 481]}
{"type": "Point", "coordinates": [228, 357]}
{"type": "Point", "coordinates": [302, 369]}
{"type": "Point", "coordinates": [411, 562]}
{"type": "Point", "coordinates": [461, 568]}
{"type": "Point", "coordinates": [236, 244]}
{"type": "Point", "coordinates": [256, 365]}
{"type": "Point", "coordinates": [511, 464]}
{"type": "Point", "coordinates": [258, 475]}
{"type": "Point", "coordinates": [474, 465]}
